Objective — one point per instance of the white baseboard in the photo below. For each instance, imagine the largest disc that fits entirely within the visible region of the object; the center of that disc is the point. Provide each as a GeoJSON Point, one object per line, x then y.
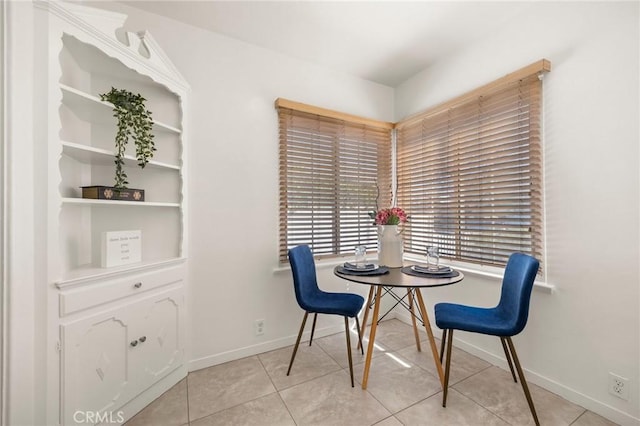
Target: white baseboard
{"type": "Point", "coordinates": [567, 393]}
{"type": "Point", "coordinates": [209, 361]}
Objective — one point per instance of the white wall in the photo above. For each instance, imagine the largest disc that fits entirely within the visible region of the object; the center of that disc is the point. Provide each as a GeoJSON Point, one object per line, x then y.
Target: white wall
{"type": "Point", "coordinates": [590, 325]}
{"type": "Point", "coordinates": [21, 267]}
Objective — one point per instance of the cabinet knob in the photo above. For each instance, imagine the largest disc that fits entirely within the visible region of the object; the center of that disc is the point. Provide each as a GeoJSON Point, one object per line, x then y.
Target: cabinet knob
{"type": "Point", "coordinates": [134, 343]}
{"type": "Point", "coordinates": [137, 285]}
{"type": "Point", "coordinates": [143, 339]}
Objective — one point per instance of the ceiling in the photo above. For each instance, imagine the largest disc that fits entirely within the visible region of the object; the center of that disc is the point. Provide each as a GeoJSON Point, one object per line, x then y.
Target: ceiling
{"type": "Point", "coordinates": [382, 41]}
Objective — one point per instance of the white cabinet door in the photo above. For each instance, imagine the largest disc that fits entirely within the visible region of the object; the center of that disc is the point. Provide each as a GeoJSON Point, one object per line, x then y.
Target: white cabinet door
{"type": "Point", "coordinates": [160, 347]}
{"type": "Point", "coordinates": [111, 357]}
{"type": "Point", "coordinates": [97, 375]}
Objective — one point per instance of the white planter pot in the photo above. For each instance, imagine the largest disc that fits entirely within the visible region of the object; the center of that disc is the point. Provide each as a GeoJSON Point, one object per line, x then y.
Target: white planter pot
{"type": "Point", "coordinates": [390, 246]}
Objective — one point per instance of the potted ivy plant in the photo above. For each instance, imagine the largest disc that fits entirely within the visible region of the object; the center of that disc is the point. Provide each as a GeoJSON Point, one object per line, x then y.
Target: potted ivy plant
{"type": "Point", "coordinates": [135, 122]}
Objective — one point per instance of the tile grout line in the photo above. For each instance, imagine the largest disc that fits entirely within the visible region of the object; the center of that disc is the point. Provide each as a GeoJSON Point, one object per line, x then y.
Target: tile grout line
{"type": "Point", "coordinates": [477, 402]}
{"type": "Point", "coordinates": [277, 390]}
{"type": "Point", "coordinates": [397, 353]}
{"type": "Point", "coordinates": [188, 413]}
{"type": "Point", "coordinates": [340, 368]}
{"type": "Point", "coordinates": [242, 403]}
{"type": "Point", "coordinates": [344, 369]}
{"type": "Point", "coordinates": [577, 418]}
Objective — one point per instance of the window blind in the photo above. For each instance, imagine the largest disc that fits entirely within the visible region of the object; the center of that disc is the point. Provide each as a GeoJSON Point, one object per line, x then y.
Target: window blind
{"type": "Point", "coordinates": [334, 170]}
{"type": "Point", "coordinates": [470, 174]}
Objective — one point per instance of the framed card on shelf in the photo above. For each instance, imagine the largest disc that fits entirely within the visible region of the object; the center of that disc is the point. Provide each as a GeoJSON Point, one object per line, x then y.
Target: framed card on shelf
{"type": "Point", "coordinates": [121, 248]}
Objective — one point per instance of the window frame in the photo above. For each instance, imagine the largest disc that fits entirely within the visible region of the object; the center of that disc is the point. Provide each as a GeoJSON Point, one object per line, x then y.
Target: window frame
{"type": "Point", "coordinates": [417, 232]}
{"type": "Point", "coordinates": [350, 138]}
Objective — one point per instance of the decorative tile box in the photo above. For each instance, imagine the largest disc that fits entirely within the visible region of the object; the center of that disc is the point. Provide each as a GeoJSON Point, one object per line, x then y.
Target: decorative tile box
{"type": "Point", "coordinates": [111, 193]}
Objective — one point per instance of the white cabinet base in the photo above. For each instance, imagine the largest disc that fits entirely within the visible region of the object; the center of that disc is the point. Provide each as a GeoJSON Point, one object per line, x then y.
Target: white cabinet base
{"type": "Point", "coordinates": [112, 357]}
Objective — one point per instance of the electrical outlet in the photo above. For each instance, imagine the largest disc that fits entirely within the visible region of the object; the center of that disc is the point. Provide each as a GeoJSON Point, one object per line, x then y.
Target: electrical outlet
{"type": "Point", "coordinates": [259, 327]}
{"type": "Point", "coordinates": [619, 386]}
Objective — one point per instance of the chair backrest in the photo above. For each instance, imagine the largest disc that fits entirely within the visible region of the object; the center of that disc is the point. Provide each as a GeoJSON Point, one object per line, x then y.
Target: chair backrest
{"type": "Point", "coordinates": [517, 284]}
{"type": "Point", "coordinates": [303, 269]}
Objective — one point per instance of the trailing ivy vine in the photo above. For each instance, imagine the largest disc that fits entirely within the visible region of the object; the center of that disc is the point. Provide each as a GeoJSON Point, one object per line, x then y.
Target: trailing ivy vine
{"type": "Point", "coordinates": [134, 120]}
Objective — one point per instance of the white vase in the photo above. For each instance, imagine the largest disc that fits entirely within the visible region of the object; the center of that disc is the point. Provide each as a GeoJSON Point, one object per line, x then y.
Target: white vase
{"type": "Point", "coordinates": [390, 246]}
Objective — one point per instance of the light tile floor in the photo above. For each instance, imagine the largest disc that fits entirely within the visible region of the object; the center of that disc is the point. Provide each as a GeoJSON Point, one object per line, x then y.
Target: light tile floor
{"type": "Point", "coordinates": [403, 389]}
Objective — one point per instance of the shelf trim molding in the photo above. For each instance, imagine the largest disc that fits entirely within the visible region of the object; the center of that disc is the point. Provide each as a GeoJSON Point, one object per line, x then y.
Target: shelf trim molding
{"type": "Point", "coordinates": [107, 153]}
{"type": "Point", "coordinates": [92, 276]}
{"type": "Point", "coordinates": [89, 20]}
{"type": "Point", "coordinates": [91, 201]}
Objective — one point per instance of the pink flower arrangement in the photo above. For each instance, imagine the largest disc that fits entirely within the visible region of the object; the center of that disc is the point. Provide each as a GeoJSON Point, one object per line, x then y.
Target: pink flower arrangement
{"type": "Point", "coordinates": [392, 216]}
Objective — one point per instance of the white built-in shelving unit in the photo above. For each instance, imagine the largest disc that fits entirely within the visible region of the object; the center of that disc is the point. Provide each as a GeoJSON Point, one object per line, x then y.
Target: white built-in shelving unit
{"type": "Point", "coordinates": [117, 333]}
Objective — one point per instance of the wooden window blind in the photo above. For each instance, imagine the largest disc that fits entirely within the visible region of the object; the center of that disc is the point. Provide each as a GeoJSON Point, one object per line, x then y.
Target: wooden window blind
{"type": "Point", "coordinates": [470, 172]}
{"type": "Point", "coordinates": [332, 166]}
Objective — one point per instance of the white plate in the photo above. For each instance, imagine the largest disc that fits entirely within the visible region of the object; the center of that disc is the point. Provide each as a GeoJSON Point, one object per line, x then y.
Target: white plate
{"type": "Point", "coordinates": [352, 267]}
{"type": "Point", "coordinates": [425, 270]}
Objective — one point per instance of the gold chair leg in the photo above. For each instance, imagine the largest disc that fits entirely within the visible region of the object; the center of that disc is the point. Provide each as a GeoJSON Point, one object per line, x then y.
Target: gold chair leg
{"type": "Point", "coordinates": [447, 369]}
{"type": "Point", "coordinates": [313, 327]}
{"type": "Point", "coordinates": [506, 354]}
{"type": "Point", "coordinates": [295, 348]}
{"type": "Point", "coordinates": [346, 330]}
{"type": "Point", "coordinates": [523, 381]}
{"type": "Point", "coordinates": [359, 336]}
{"type": "Point", "coordinates": [442, 342]}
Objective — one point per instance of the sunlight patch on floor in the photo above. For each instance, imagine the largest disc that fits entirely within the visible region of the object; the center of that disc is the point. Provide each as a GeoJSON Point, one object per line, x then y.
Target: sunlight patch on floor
{"type": "Point", "coordinates": [398, 360]}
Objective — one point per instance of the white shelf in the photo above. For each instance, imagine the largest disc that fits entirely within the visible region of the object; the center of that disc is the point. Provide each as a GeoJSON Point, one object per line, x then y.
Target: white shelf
{"type": "Point", "coordinates": [97, 156]}
{"type": "Point", "coordinates": [90, 201]}
{"type": "Point", "coordinates": [91, 109]}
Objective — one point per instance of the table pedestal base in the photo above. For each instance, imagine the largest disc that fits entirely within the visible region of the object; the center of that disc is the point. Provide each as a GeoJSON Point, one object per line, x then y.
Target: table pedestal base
{"type": "Point", "coordinates": [413, 293]}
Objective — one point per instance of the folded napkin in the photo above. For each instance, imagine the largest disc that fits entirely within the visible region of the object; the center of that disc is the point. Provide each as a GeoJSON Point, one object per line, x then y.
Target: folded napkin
{"type": "Point", "coordinates": [378, 271]}
{"type": "Point", "coordinates": [429, 270]}
{"type": "Point", "coordinates": [366, 267]}
{"type": "Point", "coordinates": [407, 270]}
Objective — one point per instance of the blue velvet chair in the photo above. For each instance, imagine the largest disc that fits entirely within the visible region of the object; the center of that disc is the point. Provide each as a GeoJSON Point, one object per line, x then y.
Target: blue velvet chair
{"type": "Point", "coordinates": [505, 320]}
{"type": "Point", "coordinates": [315, 301]}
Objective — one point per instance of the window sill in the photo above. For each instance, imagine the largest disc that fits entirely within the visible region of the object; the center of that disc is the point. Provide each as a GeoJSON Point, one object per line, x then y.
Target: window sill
{"type": "Point", "coordinates": [320, 264]}
{"type": "Point", "coordinates": [490, 272]}
{"type": "Point", "coordinates": [469, 269]}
